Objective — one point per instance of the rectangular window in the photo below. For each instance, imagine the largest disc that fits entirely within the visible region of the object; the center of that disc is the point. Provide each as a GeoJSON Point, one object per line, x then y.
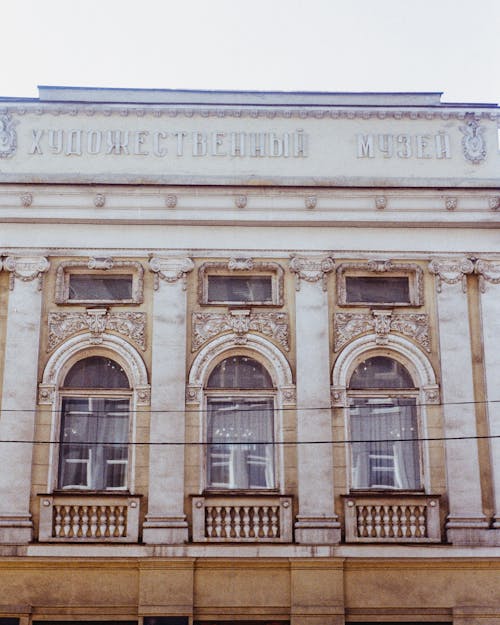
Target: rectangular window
{"type": "Point", "coordinates": [384, 456]}
{"type": "Point", "coordinates": [240, 450]}
{"type": "Point", "coordinates": [93, 447]}
{"type": "Point", "coordinates": [99, 288]}
{"type": "Point", "coordinates": [240, 289]}
{"type": "Point", "coordinates": [377, 290]}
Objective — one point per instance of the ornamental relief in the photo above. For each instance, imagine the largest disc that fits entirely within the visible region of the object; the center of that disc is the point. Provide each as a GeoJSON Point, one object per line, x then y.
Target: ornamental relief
{"type": "Point", "coordinates": [273, 325]}
{"type": "Point", "coordinates": [473, 144]}
{"type": "Point", "coordinates": [132, 325]}
{"type": "Point", "coordinates": [311, 269]}
{"type": "Point", "coordinates": [348, 326]}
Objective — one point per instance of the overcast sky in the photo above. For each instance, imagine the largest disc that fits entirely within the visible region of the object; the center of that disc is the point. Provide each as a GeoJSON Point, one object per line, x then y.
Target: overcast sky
{"type": "Point", "coordinates": [290, 45]}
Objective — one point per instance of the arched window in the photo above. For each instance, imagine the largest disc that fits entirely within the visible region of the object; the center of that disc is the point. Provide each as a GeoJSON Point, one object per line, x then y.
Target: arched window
{"type": "Point", "coordinates": [384, 426]}
{"type": "Point", "coordinates": [240, 425]}
{"type": "Point", "coordinates": [93, 450]}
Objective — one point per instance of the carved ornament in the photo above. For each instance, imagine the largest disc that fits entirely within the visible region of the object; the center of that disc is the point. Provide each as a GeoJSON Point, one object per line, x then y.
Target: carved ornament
{"type": "Point", "coordinates": [311, 202]}
{"type": "Point", "coordinates": [451, 271]}
{"type": "Point", "coordinates": [170, 270]}
{"type": "Point", "coordinates": [240, 201]}
{"type": "Point", "coordinates": [26, 199]}
{"type": "Point", "coordinates": [96, 320]}
{"type": "Point", "coordinates": [99, 200]}
{"type": "Point", "coordinates": [171, 200]}
{"type": "Point", "coordinates": [348, 326]}
{"type": "Point", "coordinates": [494, 202]}
{"type": "Point", "coordinates": [8, 136]}
{"type": "Point", "coordinates": [206, 325]}
{"type": "Point", "coordinates": [488, 271]}
{"type": "Point", "coordinates": [26, 269]}
{"type": "Point", "coordinates": [65, 268]}
{"type": "Point", "coordinates": [244, 265]}
{"type": "Point", "coordinates": [473, 144]}
{"type": "Point", "coordinates": [413, 271]}
{"type": "Point", "coordinates": [451, 203]}
{"type": "Point", "coordinates": [311, 269]}
{"type": "Point", "coordinates": [380, 202]}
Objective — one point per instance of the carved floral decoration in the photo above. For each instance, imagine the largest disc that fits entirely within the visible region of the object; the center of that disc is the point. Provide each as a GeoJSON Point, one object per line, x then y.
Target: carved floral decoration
{"type": "Point", "coordinates": [96, 320]}
{"type": "Point", "coordinates": [26, 269]}
{"type": "Point", "coordinates": [311, 269]}
{"type": "Point", "coordinates": [451, 271]}
{"type": "Point", "coordinates": [206, 325]}
{"type": "Point", "coordinates": [473, 144]}
{"type": "Point", "coordinates": [412, 325]}
{"type": "Point", "coordinates": [8, 136]}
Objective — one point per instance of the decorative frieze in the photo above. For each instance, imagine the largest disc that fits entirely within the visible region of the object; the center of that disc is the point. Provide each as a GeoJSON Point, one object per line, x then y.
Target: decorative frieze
{"type": "Point", "coordinates": [26, 269]}
{"type": "Point", "coordinates": [170, 270]}
{"type": "Point", "coordinates": [311, 269]}
{"type": "Point", "coordinates": [132, 325]}
{"type": "Point", "coordinates": [348, 326]}
{"type": "Point", "coordinates": [206, 325]}
{"type": "Point", "coordinates": [451, 271]}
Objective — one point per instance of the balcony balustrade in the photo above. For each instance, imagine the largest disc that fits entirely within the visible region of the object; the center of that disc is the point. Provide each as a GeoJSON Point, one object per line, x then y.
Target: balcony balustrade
{"type": "Point", "coordinates": [235, 518]}
{"type": "Point", "coordinates": [82, 517]}
{"type": "Point", "coordinates": [392, 518]}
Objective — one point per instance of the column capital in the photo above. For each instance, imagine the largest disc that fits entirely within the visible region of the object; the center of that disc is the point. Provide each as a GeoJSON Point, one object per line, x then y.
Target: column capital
{"type": "Point", "coordinates": [25, 268]}
{"type": "Point", "coordinates": [170, 269]}
{"type": "Point", "coordinates": [451, 271]}
{"type": "Point", "coordinates": [488, 271]}
{"type": "Point", "coordinates": [311, 269]}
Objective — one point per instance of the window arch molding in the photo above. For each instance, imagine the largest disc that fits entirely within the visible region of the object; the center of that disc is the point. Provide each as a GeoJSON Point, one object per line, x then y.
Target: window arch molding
{"type": "Point", "coordinates": [65, 357]}
{"type": "Point", "coordinates": [397, 348]}
{"type": "Point", "coordinates": [255, 347]}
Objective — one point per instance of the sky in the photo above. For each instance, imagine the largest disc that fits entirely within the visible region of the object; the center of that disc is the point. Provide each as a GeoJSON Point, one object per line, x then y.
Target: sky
{"type": "Point", "coordinates": [279, 45]}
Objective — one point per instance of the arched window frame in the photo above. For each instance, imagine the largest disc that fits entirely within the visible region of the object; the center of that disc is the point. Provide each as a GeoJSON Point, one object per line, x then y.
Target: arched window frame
{"type": "Point", "coordinates": [415, 362]}
{"type": "Point", "coordinates": [52, 391]}
{"type": "Point", "coordinates": [273, 360]}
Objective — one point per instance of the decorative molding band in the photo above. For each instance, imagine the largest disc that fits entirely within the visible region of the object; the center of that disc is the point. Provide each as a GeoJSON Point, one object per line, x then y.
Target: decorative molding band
{"type": "Point", "coordinates": [132, 325]}
{"type": "Point", "coordinates": [451, 271]}
{"type": "Point", "coordinates": [26, 269]}
{"type": "Point", "coordinates": [348, 326]}
{"type": "Point", "coordinates": [273, 325]}
{"type": "Point", "coordinates": [311, 269]}
{"type": "Point", "coordinates": [488, 271]}
{"type": "Point", "coordinates": [170, 270]}
{"type": "Point", "coordinates": [326, 112]}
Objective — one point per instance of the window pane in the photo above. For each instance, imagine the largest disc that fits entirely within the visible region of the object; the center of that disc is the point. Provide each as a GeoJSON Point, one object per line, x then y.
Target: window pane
{"type": "Point", "coordinates": [89, 287]}
{"type": "Point", "coordinates": [240, 372]}
{"type": "Point", "coordinates": [380, 372]}
{"type": "Point", "coordinates": [387, 452]}
{"type": "Point", "coordinates": [240, 289]}
{"type": "Point", "coordinates": [377, 290]}
{"type": "Point", "coordinates": [96, 372]}
{"type": "Point", "coordinates": [93, 444]}
{"type": "Point", "coordinates": [240, 437]}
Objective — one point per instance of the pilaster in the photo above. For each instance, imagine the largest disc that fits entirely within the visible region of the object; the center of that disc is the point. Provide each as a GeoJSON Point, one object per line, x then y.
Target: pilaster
{"type": "Point", "coordinates": [317, 522]}
{"type": "Point", "coordinates": [462, 458]}
{"type": "Point", "coordinates": [18, 402]}
{"type": "Point", "coordinates": [166, 521]}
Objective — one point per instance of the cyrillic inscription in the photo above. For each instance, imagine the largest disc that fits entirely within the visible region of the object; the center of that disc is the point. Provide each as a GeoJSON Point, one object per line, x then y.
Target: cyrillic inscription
{"type": "Point", "coordinates": [404, 146]}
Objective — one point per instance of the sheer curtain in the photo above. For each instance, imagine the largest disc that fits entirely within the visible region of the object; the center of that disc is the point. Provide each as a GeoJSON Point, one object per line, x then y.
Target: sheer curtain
{"type": "Point", "coordinates": [240, 443]}
{"type": "Point", "coordinates": [394, 461]}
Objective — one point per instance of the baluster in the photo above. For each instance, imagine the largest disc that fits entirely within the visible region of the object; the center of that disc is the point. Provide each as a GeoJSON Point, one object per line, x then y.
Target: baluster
{"type": "Point", "coordinates": [404, 521]}
{"type": "Point", "coordinates": [274, 522]}
{"type": "Point", "coordinates": [122, 512]}
{"type": "Point", "coordinates": [93, 521]}
{"type": "Point", "coordinates": [209, 522]}
{"type": "Point", "coordinates": [265, 522]}
{"type": "Point", "coordinates": [246, 521]}
{"type": "Point", "coordinates": [378, 521]}
{"type": "Point", "coordinates": [67, 521]}
{"type": "Point", "coordinates": [422, 525]}
{"type": "Point", "coordinates": [361, 522]}
{"type": "Point", "coordinates": [413, 519]}
{"type": "Point", "coordinates": [227, 521]}
{"type": "Point", "coordinates": [218, 521]}
{"type": "Point", "coordinates": [85, 521]}
{"type": "Point", "coordinates": [237, 521]}
{"type": "Point", "coordinates": [57, 521]}
{"type": "Point", "coordinates": [75, 522]}
{"type": "Point", "coordinates": [112, 521]}
{"type": "Point", "coordinates": [255, 521]}
{"type": "Point", "coordinates": [386, 521]}
{"type": "Point", "coordinates": [102, 521]}
{"type": "Point", "coordinates": [369, 521]}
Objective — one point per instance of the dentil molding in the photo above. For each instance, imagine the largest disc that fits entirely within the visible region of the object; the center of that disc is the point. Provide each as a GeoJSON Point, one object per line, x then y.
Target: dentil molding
{"type": "Point", "coordinates": [311, 269]}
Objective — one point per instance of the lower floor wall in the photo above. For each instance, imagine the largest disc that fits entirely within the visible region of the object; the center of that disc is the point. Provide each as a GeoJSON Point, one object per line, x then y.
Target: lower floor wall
{"type": "Point", "coordinates": [248, 591]}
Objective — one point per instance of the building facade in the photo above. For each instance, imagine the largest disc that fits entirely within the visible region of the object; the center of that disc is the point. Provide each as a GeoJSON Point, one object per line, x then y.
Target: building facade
{"type": "Point", "coordinates": [249, 359]}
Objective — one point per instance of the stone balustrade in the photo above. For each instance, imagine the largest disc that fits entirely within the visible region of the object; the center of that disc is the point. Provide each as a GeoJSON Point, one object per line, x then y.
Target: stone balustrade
{"type": "Point", "coordinates": [81, 517]}
{"type": "Point", "coordinates": [392, 518]}
{"type": "Point", "coordinates": [234, 518]}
